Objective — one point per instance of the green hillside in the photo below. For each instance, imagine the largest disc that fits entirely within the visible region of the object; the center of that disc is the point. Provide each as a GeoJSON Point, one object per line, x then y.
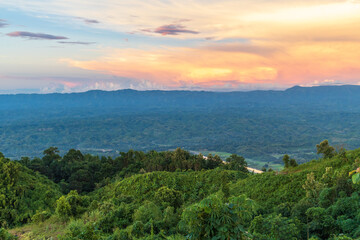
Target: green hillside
{"type": "Point", "coordinates": [23, 193]}
{"type": "Point", "coordinates": [315, 200]}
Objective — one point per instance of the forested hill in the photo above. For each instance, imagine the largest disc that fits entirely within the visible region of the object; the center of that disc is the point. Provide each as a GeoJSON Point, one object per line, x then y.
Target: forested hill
{"type": "Point", "coordinates": [178, 196]}
{"type": "Point", "coordinates": [131, 100]}
{"type": "Point", "coordinates": [259, 125]}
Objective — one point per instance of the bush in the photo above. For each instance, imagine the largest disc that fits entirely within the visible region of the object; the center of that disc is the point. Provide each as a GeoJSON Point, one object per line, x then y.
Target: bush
{"type": "Point", "coordinates": [120, 235]}
{"type": "Point", "coordinates": [39, 217]}
{"type": "Point", "coordinates": [166, 197]}
{"type": "Point", "coordinates": [4, 235]}
{"type": "Point", "coordinates": [71, 205]}
{"type": "Point", "coordinates": [147, 212]}
{"type": "Point", "coordinates": [78, 230]}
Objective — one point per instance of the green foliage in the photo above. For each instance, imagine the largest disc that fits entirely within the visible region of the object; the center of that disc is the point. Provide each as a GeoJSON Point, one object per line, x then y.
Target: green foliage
{"type": "Point", "coordinates": [269, 189]}
{"type": "Point", "coordinates": [341, 237]}
{"type": "Point", "coordinates": [63, 208]}
{"type": "Point", "coordinates": [275, 227]}
{"type": "Point", "coordinates": [213, 218]}
{"type": "Point", "coordinates": [165, 196]}
{"type": "Point", "coordinates": [289, 162]}
{"type": "Point", "coordinates": [325, 149]}
{"type": "Point", "coordinates": [293, 163]}
{"type": "Point", "coordinates": [78, 230]}
{"type": "Point", "coordinates": [316, 200]}
{"type": "Point", "coordinates": [193, 186]}
{"type": "Point", "coordinates": [237, 163]}
{"type": "Point", "coordinates": [22, 193]}
{"type": "Point", "coordinates": [83, 173]}
{"type": "Point", "coordinates": [39, 217]}
{"type": "Point", "coordinates": [120, 235]}
{"type": "Point", "coordinates": [4, 235]}
{"type": "Point", "coordinates": [356, 178]}
{"type": "Point", "coordinates": [320, 223]}
{"type": "Point", "coordinates": [312, 187]}
{"type": "Point", "coordinates": [71, 205]}
{"type": "Point", "coordinates": [148, 211]}
{"type": "Point", "coordinates": [170, 219]}
{"type": "Point", "coordinates": [115, 216]}
{"type": "Point", "coordinates": [286, 160]}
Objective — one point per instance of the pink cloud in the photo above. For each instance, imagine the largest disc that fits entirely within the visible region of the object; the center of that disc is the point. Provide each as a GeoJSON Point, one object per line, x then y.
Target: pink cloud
{"type": "Point", "coordinates": [36, 36]}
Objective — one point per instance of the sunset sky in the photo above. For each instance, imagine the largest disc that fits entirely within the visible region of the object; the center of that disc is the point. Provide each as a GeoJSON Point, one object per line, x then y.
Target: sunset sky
{"type": "Point", "coordinates": [229, 45]}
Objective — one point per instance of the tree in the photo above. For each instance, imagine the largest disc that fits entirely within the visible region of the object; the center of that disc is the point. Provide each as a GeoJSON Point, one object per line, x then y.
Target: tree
{"type": "Point", "coordinates": [213, 161]}
{"type": "Point", "coordinates": [312, 188]}
{"type": "Point", "coordinates": [71, 205]}
{"type": "Point", "coordinates": [148, 211]}
{"type": "Point", "coordinates": [320, 223]}
{"type": "Point", "coordinates": [213, 218]}
{"type": "Point", "coordinates": [51, 158]}
{"type": "Point", "coordinates": [78, 229]}
{"type": "Point", "coordinates": [293, 163]}
{"type": "Point", "coordinates": [286, 160]}
{"type": "Point", "coordinates": [81, 181]}
{"type": "Point", "coordinates": [63, 208]}
{"type": "Point", "coordinates": [275, 227]}
{"type": "Point", "coordinates": [73, 156]}
{"type": "Point", "coordinates": [50, 155]}
{"type": "Point", "coordinates": [237, 163]}
{"type": "Point", "coordinates": [325, 149]}
{"type": "Point", "coordinates": [168, 197]}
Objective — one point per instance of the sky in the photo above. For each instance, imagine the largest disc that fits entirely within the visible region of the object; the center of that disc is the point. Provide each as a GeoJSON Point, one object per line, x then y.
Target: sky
{"type": "Point", "coordinates": [230, 45]}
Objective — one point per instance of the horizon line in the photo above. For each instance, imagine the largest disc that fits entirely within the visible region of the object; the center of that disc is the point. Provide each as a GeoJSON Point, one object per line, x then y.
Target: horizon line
{"type": "Point", "coordinates": [38, 91]}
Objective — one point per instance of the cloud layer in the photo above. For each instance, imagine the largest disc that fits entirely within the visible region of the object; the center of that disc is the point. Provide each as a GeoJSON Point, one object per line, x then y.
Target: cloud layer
{"type": "Point", "coordinates": [35, 36]}
{"type": "Point", "coordinates": [291, 64]}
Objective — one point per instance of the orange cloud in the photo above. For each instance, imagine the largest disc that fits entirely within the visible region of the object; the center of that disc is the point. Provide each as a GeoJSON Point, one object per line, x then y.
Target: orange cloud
{"type": "Point", "coordinates": [183, 66]}
{"type": "Point", "coordinates": [292, 63]}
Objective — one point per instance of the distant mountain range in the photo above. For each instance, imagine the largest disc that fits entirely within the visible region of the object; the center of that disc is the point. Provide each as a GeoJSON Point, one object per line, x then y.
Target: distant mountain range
{"type": "Point", "coordinates": [130, 99]}
{"type": "Point", "coordinates": [261, 125]}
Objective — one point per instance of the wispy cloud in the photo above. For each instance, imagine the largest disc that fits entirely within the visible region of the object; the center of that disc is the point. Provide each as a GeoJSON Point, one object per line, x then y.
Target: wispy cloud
{"type": "Point", "coordinates": [88, 20]}
{"type": "Point", "coordinates": [77, 43]}
{"type": "Point", "coordinates": [35, 36]}
{"type": "Point", "coordinates": [3, 23]}
{"type": "Point", "coordinates": [91, 21]}
{"type": "Point", "coordinates": [171, 29]}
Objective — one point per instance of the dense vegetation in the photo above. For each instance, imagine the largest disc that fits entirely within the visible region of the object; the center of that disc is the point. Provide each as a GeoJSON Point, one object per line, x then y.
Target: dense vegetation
{"type": "Point", "coordinates": [22, 193]}
{"type": "Point", "coordinates": [315, 200]}
{"type": "Point", "coordinates": [75, 171]}
{"type": "Point", "coordinates": [259, 125]}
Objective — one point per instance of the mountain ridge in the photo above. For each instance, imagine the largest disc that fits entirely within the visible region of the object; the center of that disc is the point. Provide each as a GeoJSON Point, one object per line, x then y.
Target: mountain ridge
{"type": "Point", "coordinates": [296, 87]}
